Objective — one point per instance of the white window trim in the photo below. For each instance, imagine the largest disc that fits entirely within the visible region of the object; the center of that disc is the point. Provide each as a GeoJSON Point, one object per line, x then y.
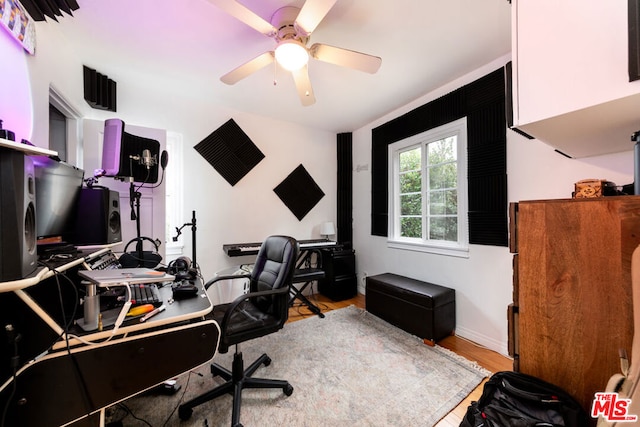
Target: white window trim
{"type": "Point", "coordinates": [460, 248]}
{"type": "Point", "coordinates": [75, 150]}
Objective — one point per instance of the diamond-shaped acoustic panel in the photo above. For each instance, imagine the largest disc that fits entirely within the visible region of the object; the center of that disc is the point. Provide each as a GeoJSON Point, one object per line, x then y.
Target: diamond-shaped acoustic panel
{"type": "Point", "coordinates": [230, 151]}
{"type": "Point", "coordinates": [299, 192]}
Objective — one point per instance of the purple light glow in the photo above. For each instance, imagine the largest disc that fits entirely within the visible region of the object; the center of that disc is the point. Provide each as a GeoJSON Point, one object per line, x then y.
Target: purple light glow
{"type": "Point", "coordinates": [16, 107]}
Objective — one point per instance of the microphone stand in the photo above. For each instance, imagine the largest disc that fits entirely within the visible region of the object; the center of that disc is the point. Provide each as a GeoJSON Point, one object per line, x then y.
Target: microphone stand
{"type": "Point", "coordinates": [193, 236]}
{"type": "Point", "coordinates": [134, 197]}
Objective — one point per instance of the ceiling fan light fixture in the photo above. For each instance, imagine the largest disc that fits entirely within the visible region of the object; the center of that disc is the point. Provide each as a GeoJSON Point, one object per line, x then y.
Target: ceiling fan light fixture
{"type": "Point", "coordinates": [291, 54]}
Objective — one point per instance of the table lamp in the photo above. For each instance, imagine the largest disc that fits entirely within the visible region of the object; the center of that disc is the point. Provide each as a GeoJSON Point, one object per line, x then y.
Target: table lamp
{"type": "Point", "coordinates": [327, 229]}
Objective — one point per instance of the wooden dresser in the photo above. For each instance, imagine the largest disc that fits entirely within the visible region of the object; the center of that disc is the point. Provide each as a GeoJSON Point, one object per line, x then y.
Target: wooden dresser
{"type": "Point", "coordinates": [572, 308]}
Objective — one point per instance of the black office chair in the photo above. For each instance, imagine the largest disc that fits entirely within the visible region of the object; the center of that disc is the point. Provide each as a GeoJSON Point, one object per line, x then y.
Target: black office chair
{"type": "Point", "coordinates": [262, 311]}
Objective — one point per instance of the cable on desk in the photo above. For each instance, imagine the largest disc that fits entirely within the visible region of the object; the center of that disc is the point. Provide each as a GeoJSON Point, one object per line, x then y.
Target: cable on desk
{"type": "Point", "coordinates": [79, 377]}
{"type": "Point", "coordinates": [66, 325]}
{"type": "Point", "coordinates": [123, 311]}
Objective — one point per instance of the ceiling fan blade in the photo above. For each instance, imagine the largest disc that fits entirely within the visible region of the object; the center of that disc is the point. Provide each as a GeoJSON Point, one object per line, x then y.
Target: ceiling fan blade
{"type": "Point", "coordinates": [303, 86]}
{"type": "Point", "coordinates": [312, 13]}
{"type": "Point", "coordinates": [247, 16]}
{"type": "Point", "coordinates": [239, 73]}
{"type": "Point", "coordinates": [346, 58]}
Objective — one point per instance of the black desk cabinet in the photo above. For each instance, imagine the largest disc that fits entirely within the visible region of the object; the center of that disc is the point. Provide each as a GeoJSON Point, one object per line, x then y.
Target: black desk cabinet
{"type": "Point", "coordinates": [340, 280]}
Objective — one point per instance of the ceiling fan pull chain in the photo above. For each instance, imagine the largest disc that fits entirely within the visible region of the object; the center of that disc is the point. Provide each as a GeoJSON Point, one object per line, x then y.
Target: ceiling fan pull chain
{"type": "Point", "coordinates": [275, 73]}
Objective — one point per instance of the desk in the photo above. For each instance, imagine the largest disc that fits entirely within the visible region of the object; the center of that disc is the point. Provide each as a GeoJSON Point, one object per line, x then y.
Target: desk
{"type": "Point", "coordinates": [83, 373]}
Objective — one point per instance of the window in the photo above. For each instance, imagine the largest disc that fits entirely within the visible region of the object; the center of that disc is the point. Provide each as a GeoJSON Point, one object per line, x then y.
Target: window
{"type": "Point", "coordinates": [428, 196]}
{"type": "Point", "coordinates": [58, 132]}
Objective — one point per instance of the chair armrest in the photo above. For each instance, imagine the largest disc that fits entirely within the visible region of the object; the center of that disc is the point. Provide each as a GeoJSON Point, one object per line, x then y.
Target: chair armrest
{"type": "Point", "coordinates": [228, 277]}
{"type": "Point", "coordinates": [233, 305]}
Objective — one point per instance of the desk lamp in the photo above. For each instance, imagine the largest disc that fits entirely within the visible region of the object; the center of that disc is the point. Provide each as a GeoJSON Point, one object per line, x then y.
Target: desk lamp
{"type": "Point", "coordinates": [327, 229]}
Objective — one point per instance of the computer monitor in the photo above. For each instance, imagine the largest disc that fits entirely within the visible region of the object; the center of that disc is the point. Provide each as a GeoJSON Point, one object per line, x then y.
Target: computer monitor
{"type": "Point", "coordinates": [58, 187]}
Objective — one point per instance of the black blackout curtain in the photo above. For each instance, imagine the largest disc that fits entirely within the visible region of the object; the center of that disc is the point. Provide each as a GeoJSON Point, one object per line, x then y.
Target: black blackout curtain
{"type": "Point", "coordinates": [483, 103]}
{"type": "Point", "coordinates": [345, 189]}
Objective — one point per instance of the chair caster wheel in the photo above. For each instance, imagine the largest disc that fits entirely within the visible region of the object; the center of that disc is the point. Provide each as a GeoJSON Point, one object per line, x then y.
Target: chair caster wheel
{"type": "Point", "coordinates": [267, 361]}
{"type": "Point", "coordinates": [184, 413]}
{"type": "Point", "coordinates": [288, 390]}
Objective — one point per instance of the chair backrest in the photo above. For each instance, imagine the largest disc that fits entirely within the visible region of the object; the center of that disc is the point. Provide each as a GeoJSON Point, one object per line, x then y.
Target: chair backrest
{"type": "Point", "coordinates": [273, 269]}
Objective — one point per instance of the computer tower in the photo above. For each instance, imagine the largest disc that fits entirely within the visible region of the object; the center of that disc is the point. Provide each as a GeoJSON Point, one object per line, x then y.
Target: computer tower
{"type": "Point", "coordinates": [98, 218]}
{"type": "Point", "coordinates": [18, 254]}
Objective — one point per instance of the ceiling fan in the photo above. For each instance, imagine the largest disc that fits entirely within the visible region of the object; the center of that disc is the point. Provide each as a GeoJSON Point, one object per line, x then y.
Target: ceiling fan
{"type": "Point", "coordinates": [291, 28]}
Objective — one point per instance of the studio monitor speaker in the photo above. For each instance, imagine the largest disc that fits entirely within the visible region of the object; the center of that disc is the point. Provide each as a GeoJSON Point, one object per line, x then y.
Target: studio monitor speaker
{"type": "Point", "coordinates": [98, 220]}
{"type": "Point", "coordinates": [18, 254]}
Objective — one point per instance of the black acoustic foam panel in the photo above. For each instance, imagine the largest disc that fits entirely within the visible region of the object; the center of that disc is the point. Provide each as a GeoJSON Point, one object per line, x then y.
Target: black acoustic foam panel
{"type": "Point", "coordinates": [41, 9]}
{"type": "Point", "coordinates": [299, 192]}
{"type": "Point", "coordinates": [230, 151]}
{"type": "Point", "coordinates": [99, 90]}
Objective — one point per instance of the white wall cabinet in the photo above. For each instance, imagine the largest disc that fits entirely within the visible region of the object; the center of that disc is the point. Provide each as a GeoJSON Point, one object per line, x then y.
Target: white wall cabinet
{"type": "Point", "coordinates": [571, 86]}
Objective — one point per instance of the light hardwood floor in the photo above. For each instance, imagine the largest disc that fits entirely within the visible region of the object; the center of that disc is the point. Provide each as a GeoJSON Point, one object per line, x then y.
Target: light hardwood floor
{"type": "Point", "coordinates": [488, 359]}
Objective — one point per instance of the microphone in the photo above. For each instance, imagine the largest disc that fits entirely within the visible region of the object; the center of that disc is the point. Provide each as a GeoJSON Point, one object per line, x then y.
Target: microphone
{"type": "Point", "coordinates": [147, 160]}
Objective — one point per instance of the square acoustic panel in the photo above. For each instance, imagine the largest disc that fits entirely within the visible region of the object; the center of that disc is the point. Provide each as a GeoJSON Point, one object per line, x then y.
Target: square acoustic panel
{"type": "Point", "coordinates": [299, 192]}
{"type": "Point", "coordinates": [230, 151]}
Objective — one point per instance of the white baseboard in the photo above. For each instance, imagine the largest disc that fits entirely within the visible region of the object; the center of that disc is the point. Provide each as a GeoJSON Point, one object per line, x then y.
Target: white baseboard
{"type": "Point", "coordinates": [478, 338]}
{"type": "Point", "coordinates": [483, 340]}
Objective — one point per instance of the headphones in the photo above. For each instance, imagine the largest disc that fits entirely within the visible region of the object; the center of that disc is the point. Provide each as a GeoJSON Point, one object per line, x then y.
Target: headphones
{"type": "Point", "coordinates": [132, 259]}
{"type": "Point", "coordinates": [182, 268]}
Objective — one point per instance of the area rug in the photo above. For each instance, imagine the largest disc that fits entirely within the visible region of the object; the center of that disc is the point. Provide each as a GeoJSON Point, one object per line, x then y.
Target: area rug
{"type": "Point", "coordinates": [350, 368]}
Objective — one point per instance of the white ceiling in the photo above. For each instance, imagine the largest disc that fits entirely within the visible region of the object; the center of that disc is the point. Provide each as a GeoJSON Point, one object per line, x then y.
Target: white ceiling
{"type": "Point", "coordinates": [185, 46]}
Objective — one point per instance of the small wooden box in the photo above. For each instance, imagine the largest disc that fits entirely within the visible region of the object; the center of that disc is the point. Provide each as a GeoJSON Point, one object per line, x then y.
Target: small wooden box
{"type": "Point", "coordinates": [588, 188]}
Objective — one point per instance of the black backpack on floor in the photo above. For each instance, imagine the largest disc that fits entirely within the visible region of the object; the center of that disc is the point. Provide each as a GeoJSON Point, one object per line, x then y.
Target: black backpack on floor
{"type": "Point", "coordinates": [512, 399]}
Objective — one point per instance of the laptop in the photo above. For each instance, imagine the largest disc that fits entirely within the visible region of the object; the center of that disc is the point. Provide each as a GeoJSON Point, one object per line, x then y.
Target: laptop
{"type": "Point", "coordinates": [120, 276]}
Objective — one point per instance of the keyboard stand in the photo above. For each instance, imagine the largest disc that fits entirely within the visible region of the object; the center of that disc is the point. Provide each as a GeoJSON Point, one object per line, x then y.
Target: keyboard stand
{"type": "Point", "coordinates": [306, 275]}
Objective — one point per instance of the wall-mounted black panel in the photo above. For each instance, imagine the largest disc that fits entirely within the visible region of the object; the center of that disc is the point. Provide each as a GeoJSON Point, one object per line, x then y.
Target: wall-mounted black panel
{"type": "Point", "coordinates": [40, 9]}
{"type": "Point", "coordinates": [633, 17]}
{"type": "Point", "coordinates": [299, 192]}
{"type": "Point", "coordinates": [230, 151]}
{"type": "Point", "coordinates": [99, 90]}
{"type": "Point", "coordinates": [345, 189]}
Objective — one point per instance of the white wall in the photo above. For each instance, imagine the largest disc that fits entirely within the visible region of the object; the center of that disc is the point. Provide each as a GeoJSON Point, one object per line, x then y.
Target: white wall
{"type": "Point", "coordinates": [483, 282]}
{"type": "Point", "coordinates": [249, 211]}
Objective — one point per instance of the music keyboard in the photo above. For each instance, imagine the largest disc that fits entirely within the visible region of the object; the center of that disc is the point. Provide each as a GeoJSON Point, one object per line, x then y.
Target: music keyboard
{"type": "Point", "coordinates": [242, 249]}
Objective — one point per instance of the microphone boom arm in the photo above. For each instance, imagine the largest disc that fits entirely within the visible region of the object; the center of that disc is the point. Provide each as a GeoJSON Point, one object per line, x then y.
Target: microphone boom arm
{"type": "Point", "coordinates": [193, 235]}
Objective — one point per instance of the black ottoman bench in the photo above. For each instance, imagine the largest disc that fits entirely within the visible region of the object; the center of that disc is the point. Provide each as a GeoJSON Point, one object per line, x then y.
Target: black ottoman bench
{"type": "Point", "coordinates": [420, 308]}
